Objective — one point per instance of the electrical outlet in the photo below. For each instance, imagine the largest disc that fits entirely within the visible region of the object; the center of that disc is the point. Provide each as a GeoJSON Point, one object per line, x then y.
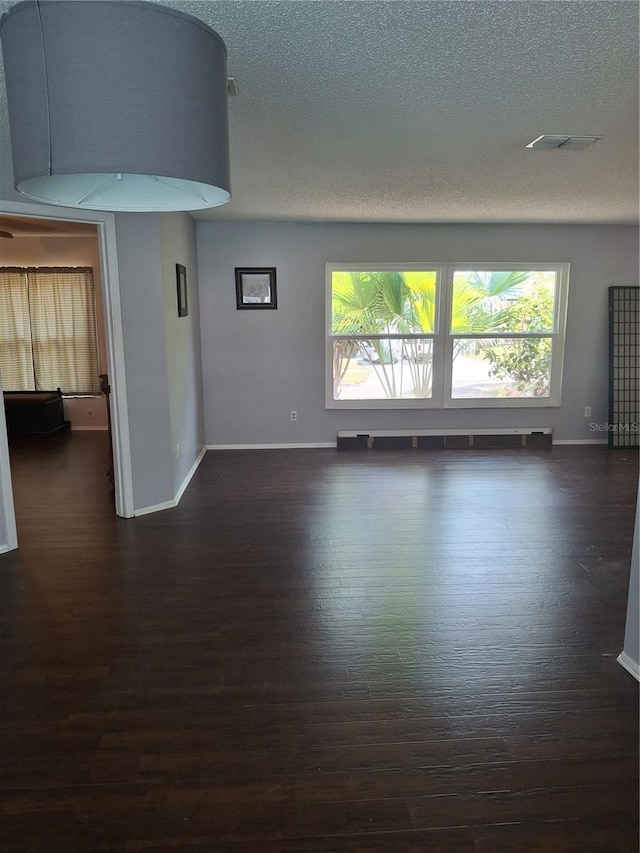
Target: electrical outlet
{"type": "Point", "coordinates": [294, 415]}
{"type": "Point", "coordinates": [587, 411]}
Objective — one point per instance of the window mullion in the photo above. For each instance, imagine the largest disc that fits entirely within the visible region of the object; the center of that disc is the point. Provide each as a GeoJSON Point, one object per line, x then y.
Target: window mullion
{"type": "Point", "coordinates": [445, 366]}
{"type": "Point", "coordinates": [384, 337]}
{"type": "Point", "coordinates": [490, 336]}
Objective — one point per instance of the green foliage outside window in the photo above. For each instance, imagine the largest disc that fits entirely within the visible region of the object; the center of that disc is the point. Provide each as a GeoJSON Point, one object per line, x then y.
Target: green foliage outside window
{"type": "Point", "coordinates": [384, 303]}
{"type": "Point", "coordinates": [389, 305]}
{"type": "Point", "coordinates": [527, 361]}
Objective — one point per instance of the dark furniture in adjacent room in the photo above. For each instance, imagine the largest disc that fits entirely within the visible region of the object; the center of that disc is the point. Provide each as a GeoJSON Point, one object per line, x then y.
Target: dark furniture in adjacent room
{"type": "Point", "coordinates": [34, 412]}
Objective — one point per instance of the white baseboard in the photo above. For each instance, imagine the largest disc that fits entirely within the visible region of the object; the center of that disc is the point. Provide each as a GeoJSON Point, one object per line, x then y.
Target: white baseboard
{"type": "Point", "coordinates": [89, 428]}
{"type": "Point", "coordinates": [629, 664]}
{"type": "Point", "coordinates": [580, 441]}
{"type": "Point", "coordinates": [147, 510]}
{"type": "Point", "coordinates": [321, 444]}
{"type": "Point", "coordinates": [306, 446]}
{"type": "Point", "coordinates": [187, 479]}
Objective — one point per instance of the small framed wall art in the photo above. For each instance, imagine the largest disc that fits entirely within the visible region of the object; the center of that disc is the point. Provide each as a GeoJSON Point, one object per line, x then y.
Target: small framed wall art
{"type": "Point", "coordinates": [256, 287]}
{"type": "Point", "coordinates": [181, 284]}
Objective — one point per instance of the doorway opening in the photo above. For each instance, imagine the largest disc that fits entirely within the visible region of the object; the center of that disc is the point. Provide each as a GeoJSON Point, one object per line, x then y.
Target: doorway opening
{"type": "Point", "coordinates": [86, 240]}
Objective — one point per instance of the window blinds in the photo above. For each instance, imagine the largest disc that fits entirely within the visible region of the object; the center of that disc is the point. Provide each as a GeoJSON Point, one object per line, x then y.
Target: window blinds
{"type": "Point", "coordinates": [48, 330]}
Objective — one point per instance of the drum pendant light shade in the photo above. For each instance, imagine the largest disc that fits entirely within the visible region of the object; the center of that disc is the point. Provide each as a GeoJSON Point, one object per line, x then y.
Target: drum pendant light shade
{"type": "Point", "coordinates": [117, 106]}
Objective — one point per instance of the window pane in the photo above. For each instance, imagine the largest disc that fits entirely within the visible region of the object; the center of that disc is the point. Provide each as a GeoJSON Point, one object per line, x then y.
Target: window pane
{"type": "Point", "coordinates": [501, 367]}
{"type": "Point", "coordinates": [382, 302]}
{"type": "Point", "coordinates": [499, 301]}
{"type": "Point", "coordinates": [382, 369]}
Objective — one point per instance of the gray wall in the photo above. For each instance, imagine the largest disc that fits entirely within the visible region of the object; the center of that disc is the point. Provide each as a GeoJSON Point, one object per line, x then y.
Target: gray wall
{"type": "Point", "coordinates": [183, 349]}
{"type": "Point", "coordinates": [162, 352]}
{"type": "Point", "coordinates": [142, 301]}
{"type": "Point", "coordinates": [632, 631]}
{"type": "Point", "coordinates": [6, 192]}
{"type": "Point", "coordinates": [259, 365]}
{"type": "Point", "coordinates": [3, 529]}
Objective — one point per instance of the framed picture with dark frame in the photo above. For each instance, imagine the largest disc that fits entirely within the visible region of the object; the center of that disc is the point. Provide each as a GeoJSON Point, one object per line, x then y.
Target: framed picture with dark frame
{"type": "Point", "coordinates": [181, 284]}
{"type": "Point", "coordinates": [256, 287]}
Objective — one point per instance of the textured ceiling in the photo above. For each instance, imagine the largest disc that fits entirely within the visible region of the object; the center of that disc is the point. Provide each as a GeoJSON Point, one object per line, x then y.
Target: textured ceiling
{"type": "Point", "coordinates": [420, 110]}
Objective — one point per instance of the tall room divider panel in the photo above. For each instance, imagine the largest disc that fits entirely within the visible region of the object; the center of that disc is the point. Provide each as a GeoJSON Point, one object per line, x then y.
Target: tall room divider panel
{"type": "Point", "coordinates": [624, 376]}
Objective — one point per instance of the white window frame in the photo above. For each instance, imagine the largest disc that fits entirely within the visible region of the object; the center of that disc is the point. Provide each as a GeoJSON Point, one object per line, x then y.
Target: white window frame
{"type": "Point", "coordinates": [443, 338]}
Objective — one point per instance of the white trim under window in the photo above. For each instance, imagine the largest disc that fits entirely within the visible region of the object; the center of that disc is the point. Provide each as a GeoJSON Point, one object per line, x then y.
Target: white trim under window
{"type": "Point", "coordinates": [435, 351]}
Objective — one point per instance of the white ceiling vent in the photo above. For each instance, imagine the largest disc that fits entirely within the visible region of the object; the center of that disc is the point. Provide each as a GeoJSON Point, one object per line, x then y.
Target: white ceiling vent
{"type": "Point", "coordinates": [568, 143]}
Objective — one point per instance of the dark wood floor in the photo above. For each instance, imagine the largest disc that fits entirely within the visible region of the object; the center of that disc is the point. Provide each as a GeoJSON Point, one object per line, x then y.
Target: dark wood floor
{"type": "Point", "coordinates": [320, 651]}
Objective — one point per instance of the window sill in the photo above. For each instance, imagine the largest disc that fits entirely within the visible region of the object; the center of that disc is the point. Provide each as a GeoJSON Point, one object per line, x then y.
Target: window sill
{"type": "Point", "coordinates": [424, 405]}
